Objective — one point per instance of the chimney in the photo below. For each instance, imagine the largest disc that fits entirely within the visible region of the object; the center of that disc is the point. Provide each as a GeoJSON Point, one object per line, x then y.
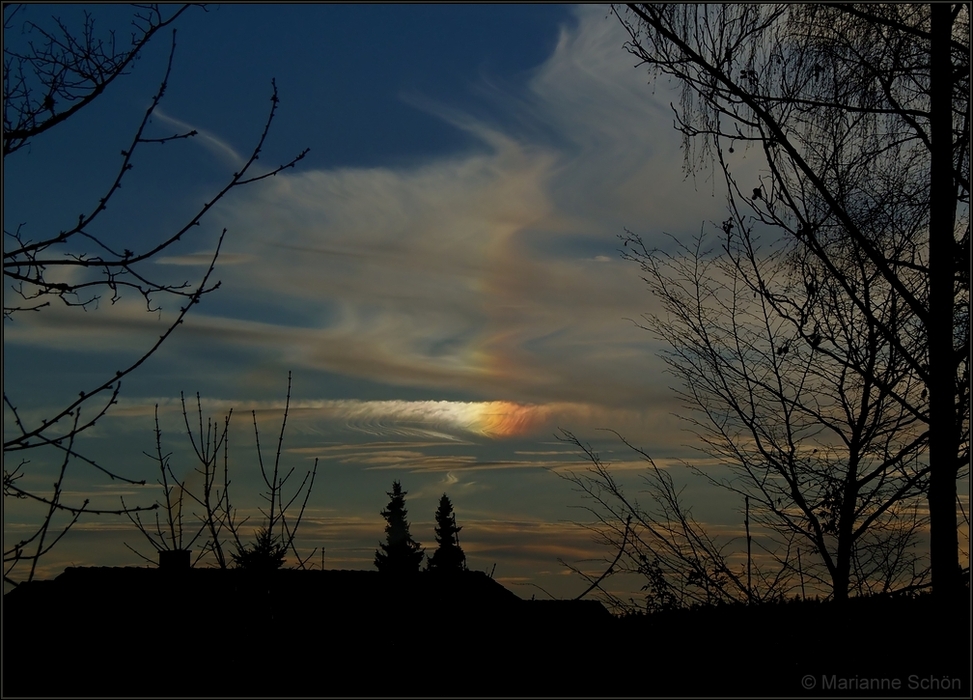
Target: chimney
{"type": "Point", "coordinates": [173, 559]}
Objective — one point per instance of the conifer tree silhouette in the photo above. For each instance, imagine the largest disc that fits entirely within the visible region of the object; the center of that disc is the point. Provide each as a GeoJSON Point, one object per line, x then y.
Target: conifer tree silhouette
{"type": "Point", "coordinates": [449, 555]}
{"type": "Point", "coordinates": [400, 554]}
{"type": "Point", "coordinates": [266, 553]}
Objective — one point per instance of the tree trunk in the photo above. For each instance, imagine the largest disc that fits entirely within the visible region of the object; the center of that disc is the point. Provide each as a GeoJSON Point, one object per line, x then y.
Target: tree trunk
{"type": "Point", "coordinates": [943, 428]}
{"type": "Point", "coordinates": [841, 576]}
{"type": "Point", "coordinates": [845, 529]}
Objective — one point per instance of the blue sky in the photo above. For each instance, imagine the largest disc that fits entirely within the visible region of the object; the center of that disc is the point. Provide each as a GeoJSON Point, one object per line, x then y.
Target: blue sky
{"type": "Point", "coordinates": [441, 273]}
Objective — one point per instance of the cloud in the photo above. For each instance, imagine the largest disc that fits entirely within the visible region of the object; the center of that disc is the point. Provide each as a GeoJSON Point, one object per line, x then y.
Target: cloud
{"type": "Point", "coordinates": [208, 140]}
{"type": "Point", "coordinates": [486, 273]}
{"type": "Point", "coordinates": [450, 422]}
{"type": "Point", "coordinates": [489, 276]}
{"type": "Point", "coordinates": [117, 326]}
{"type": "Point", "coordinates": [203, 259]}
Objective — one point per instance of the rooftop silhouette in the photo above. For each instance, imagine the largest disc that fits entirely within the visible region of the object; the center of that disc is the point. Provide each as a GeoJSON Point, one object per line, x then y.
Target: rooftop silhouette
{"type": "Point", "coordinates": [130, 632]}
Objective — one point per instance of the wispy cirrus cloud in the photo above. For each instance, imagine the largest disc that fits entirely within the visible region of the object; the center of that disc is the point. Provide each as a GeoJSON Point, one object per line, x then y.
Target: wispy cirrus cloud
{"type": "Point", "coordinates": [203, 259]}
{"type": "Point", "coordinates": [490, 273]}
{"type": "Point", "coordinates": [490, 276]}
{"type": "Point", "coordinates": [494, 267]}
{"type": "Point", "coordinates": [448, 420]}
{"type": "Point", "coordinates": [209, 140]}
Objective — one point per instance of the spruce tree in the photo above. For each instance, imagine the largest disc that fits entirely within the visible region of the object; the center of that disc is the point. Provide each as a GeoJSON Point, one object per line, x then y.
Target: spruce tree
{"type": "Point", "coordinates": [400, 554]}
{"type": "Point", "coordinates": [266, 553]}
{"type": "Point", "coordinates": [448, 556]}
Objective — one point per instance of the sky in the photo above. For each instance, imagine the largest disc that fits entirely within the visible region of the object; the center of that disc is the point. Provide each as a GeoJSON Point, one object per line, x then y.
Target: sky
{"type": "Point", "coordinates": [441, 274]}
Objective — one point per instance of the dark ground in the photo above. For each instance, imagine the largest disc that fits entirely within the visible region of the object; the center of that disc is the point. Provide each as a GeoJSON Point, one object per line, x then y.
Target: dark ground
{"type": "Point", "coordinates": [148, 632]}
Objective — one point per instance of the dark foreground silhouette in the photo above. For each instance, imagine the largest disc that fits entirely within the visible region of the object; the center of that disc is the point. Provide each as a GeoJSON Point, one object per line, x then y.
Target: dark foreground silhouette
{"type": "Point", "coordinates": [205, 632]}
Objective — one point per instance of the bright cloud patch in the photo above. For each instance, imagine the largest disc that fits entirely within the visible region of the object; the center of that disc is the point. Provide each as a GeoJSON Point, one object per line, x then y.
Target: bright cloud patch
{"type": "Point", "coordinates": [492, 419]}
{"type": "Point", "coordinates": [495, 419]}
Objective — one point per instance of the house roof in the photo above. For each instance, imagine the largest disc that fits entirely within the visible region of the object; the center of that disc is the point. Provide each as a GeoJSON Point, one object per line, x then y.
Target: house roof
{"type": "Point", "coordinates": [301, 594]}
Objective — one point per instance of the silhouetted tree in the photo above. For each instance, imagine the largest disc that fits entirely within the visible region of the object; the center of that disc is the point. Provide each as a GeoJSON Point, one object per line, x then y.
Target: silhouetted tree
{"type": "Point", "coordinates": [174, 535]}
{"type": "Point", "coordinates": [213, 509]}
{"type": "Point", "coordinates": [48, 77]}
{"type": "Point", "coordinates": [449, 555]}
{"type": "Point", "coordinates": [277, 535]}
{"type": "Point", "coordinates": [400, 554]}
{"type": "Point", "coordinates": [683, 563]}
{"type": "Point", "coordinates": [784, 383]}
{"type": "Point", "coordinates": [860, 114]}
{"type": "Point", "coordinates": [265, 553]}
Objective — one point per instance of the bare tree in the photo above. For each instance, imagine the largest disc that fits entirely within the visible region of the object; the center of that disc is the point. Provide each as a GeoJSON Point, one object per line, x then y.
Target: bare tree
{"type": "Point", "coordinates": [58, 74]}
{"type": "Point", "coordinates": [861, 116]}
{"type": "Point", "coordinates": [212, 512]}
{"type": "Point", "coordinates": [50, 81]}
{"type": "Point", "coordinates": [657, 538]}
{"type": "Point", "coordinates": [174, 535]}
{"type": "Point", "coordinates": [276, 535]}
{"type": "Point", "coordinates": [791, 386]}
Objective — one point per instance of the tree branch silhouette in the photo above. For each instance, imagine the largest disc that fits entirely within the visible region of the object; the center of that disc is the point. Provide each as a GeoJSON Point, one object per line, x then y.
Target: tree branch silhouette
{"type": "Point", "coordinates": [46, 84]}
